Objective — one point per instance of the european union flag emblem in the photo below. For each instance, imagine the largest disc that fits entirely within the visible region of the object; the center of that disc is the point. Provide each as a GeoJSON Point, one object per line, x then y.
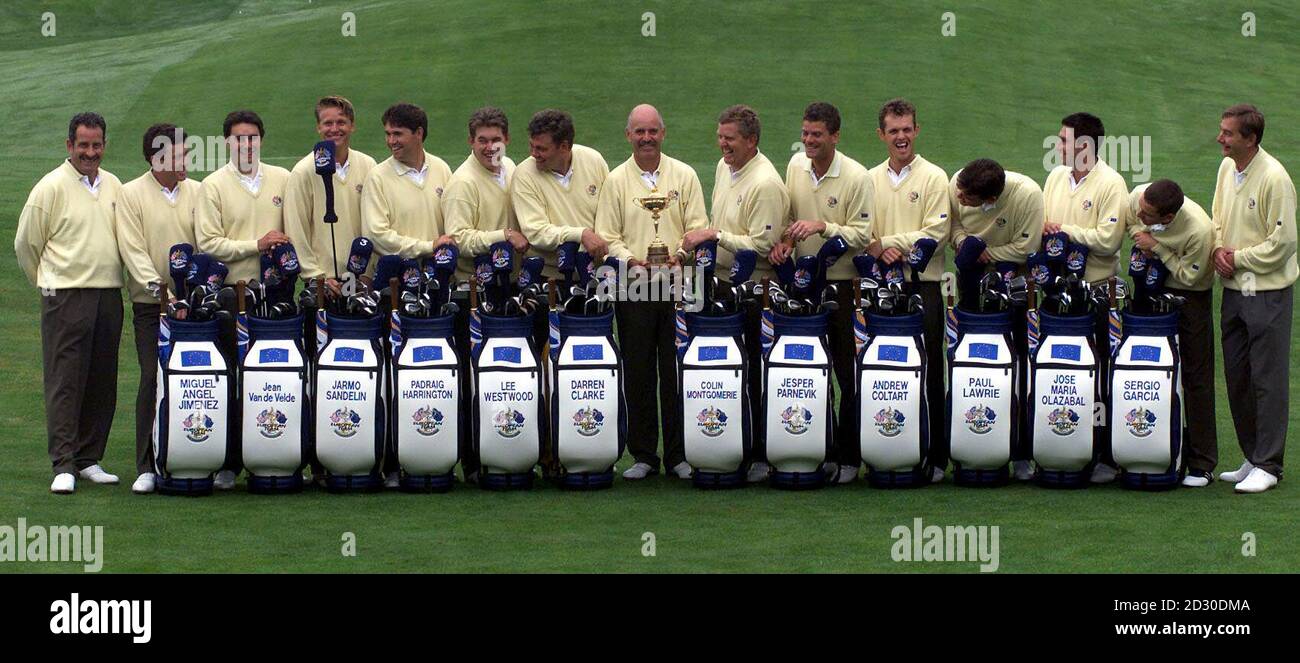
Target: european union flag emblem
{"type": "Point", "coordinates": [353, 355]}
{"type": "Point", "coordinates": [508, 355]}
{"type": "Point", "coordinates": [1145, 353]}
{"type": "Point", "coordinates": [426, 353]}
{"type": "Point", "coordinates": [588, 352]}
{"type": "Point", "coordinates": [273, 356]}
{"type": "Point", "coordinates": [197, 358]}
{"type": "Point", "coordinates": [1066, 352]}
{"type": "Point", "coordinates": [799, 351]}
{"type": "Point", "coordinates": [895, 353]}
{"type": "Point", "coordinates": [987, 351]}
{"type": "Point", "coordinates": [713, 353]}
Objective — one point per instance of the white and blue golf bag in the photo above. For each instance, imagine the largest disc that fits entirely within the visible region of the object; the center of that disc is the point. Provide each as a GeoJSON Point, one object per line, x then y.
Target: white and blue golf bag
{"type": "Point", "coordinates": [1146, 403]}
{"type": "Point", "coordinates": [350, 404]}
{"type": "Point", "coordinates": [273, 383]}
{"type": "Point", "coordinates": [509, 418]}
{"type": "Point", "coordinates": [429, 417]}
{"type": "Point", "coordinates": [982, 402]}
{"type": "Point", "coordinates": [797, 407]}
{"type": "Point", "coordinates": [194, 409]}
{"type": "Point", "coordinates": [893, 414]}
{"type": "Point", "coordinates": [588, 407]}
{"type": "Point", "coordinates": [1063, 385]}
{"type": "Point", "coordinates": [712, 377]}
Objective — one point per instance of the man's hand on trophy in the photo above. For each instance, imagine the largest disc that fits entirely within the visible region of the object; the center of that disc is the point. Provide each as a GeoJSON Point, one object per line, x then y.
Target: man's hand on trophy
{"type": "Point", "coordinates": [595, 245]}
{"type": "Point", "coordinates": [695, 238]}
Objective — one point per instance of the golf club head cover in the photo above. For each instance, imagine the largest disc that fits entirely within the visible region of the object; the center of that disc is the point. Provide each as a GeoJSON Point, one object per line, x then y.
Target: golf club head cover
{"type": "Point", "coordinates": [217, 273]}
{"type": "Point", "coordinates": [1006, 269]}
{"type": "Point", "coordinates": [359, 255]}
{"type": "Point", "coordinates": [1054, 247]}
{"type": "Point", "coordinates": [1076, 259]}
{"type": "Point", "coordinates": [387, 268]}
{"type": "Point", "coordinates": [531, 271]}
{"type": "Point", "coordinates": [200, 266]}
{"type": "Point", "coordinates": [830, 253]}
{"type": "Point", "coordinates": [582, 263]}
{"type": "Point", "coordinates": [566, 256]}
{"type": "Point", "coordinates": [286, 260]}
{"type": "Point", "coordinates": [412, 274]}
{"type": "Point", "coordinates": [1036, 266]}
{"type": "Point", "coordinates": [1156, 275]}
{"type": "Point", "coordinates": [806, 274]}
{"type": "Point", "coordinates": [503, 257]}
{"type": "Point", "coordinates": [785, 271]}
{"type": "Point", "coordinates": [867, 267]}
{"type": "Point", "coordinates": [742, 266]}
{"type": "Point", "coordinates": [323, 158]}
{"type": "Point", "coordinates": [894, 273]}
{"type": "Point", "coordinates": [445, 257]}
{"type": "Point", "coordinates": [178, 265]}
{"type": "Point", "coordinates": [968, 255]}
{"type": "Point", "coordinates": [706, 257]}
{"type": "Point", "coordinates": [483, 268]}
{"type": "Point", "coordinates": [919, 257]}
{"type": "Point", "coordinates": [1137, 264]}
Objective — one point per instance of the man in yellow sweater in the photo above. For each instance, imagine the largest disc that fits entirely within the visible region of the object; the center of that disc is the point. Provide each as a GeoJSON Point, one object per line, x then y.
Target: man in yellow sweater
{"type": "Point", "coordinates": [831, 195]}
{"type": "Point", "coordinates": [646, 329]}
{"type": "Point", "coordinates": [155, 212]}
{"type": "Point", "coordinates": [911, 203]}
{"type": "Point", "coordinates": [401, 201]}
{"type": "Point", "coordinates": [66, 245]}
{"type": "Point", "coordinates": [750, 208]}
{"type": "Point", "coordinates": [1085, 198]}
{"type": "Point", "coordinates": [304, 197]}
{"type": "Point", "coordinates": [1255, 255]}
{"type": "Point", "coordinates": [242, 216]}
{"type": "Point", "coordinates": [555, 190]}
{"type": "Point", "coordinates": [1166, 224]}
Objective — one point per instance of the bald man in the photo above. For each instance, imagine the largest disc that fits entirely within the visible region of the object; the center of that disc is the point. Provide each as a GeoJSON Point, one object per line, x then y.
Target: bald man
{"type": "Point", "coordinates": [646, 328]}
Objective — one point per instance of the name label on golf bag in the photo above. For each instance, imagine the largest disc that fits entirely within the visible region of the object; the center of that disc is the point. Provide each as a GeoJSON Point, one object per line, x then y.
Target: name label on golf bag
{"type": "Point", "coordinates": [274, 390]}
{"type": "Point", "coordinates": [590, 412]}
{"type": "Point", "coordinates": [714, 404]}
{"type": "Point", "coordinates": [350, 410]}
{"type": "Point", "coordinates": [797, 408]}
{"type": "Point", "coordinates": [427, 406]}
{"type": "Point", "coordinates": [894, 429]}
{"type": "Point", "coordinates": [1146, 419]}
{"type": "Point", "coordinates": [508, 406]}
{"type": "Point", "coordinates": [192, 428]}
{"type": "Point", "coordinates": [981, 411]}
{"type": "Point", "coordinates": [1062, 395]}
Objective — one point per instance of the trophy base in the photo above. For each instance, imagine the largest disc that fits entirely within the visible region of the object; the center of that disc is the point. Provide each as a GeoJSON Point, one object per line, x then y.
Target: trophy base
{"type": "Point", "coordinates": [657, 256]}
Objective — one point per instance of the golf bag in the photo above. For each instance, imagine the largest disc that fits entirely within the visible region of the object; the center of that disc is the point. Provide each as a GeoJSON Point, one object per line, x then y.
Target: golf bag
{"type": "Point", "coordinates": [273, 379]}
{"type": "Point", "coordinates": [588, 408]}
{"type": "Point", "coordinates": [350, 404]}
{"type": "Point", "coordinates": [893, 414]}
{"type": "Point", "coordinates": [797, 404]}
{"type": "Point", "coordinates": [509, 419]}
{"type": "Point", "coordinates": [982, 403]}
{"type": "Point", "coordinates": [194, 404]}
{"type": "Point", "coordinates": [1146, 403]}
{"type": "Point", "coordinates": [428, 417]}
{"type": "Point", "coordinates": [1062, 392]}
{"type": "Point", "coordinates": [713, 373]}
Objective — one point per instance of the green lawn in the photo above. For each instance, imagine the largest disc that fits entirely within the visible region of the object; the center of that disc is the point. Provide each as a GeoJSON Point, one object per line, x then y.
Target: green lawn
{"type": "Point", "coordinates": [1164, 69]}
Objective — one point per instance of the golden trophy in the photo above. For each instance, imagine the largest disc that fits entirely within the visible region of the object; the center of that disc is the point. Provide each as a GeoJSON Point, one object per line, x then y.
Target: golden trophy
{"type": "Point", "coordinates": [657, 254]}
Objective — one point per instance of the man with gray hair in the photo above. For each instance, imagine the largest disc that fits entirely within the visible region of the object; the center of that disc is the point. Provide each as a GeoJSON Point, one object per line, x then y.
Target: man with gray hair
{"type": "Point", "coordinates": [646, 328]}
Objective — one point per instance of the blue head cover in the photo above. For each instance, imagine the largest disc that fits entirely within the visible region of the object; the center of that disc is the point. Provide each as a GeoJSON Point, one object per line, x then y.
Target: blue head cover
{"type": "Point", "coordinates": [411, 274]}
{"type": "Point", "coordinates": [919, 257]}
{"type": "Point", "coordinates": [324, 152]}
{"type": "Point", "coordinates": [830, 252]}
{"type": "Point", "coordinates": [566, 258]}
{"type": "Point", "coordinates": [483, 268]}
{"type": "Point", "coordinates": [178, 263]}
{"type": "Point", "coordinates": [865, 263]}
{"type": "Point", "coordinates": [742, 267]}
{"type": "Point", "coordinates": [200, 265]}
{"type": "Point", "coordinates": [1054, 247]}
{"type": "Point", "coordinates": [1156, 275]}
{"type": "Point", "coordinates": [270, 271]}
{"type": "Point", "coordinates": [785, 271]}
{"type": "Point", "coordinates": [389, 267]}
{"type": "Point", "coordinates": [1076, 259]}
{"type": "Point", "coordinates": [217, 272]}
{"type": "Point", "coordinates": [503, 257]}
{"type": "Point", "coordinates": [894, 273]}
{"type": "Point", "coordinates": [531, 271]}
{"type": "Point", "coordinates": [607, 271]}
{"type": "Point", "coordinates": [1037, 268]}
{"type": "Point", "coordinates": [1006, 269]}
{"type": "Point", "coordinates": [286, 258]}
{"type": "Point", "coordinates": [968, 254]}
{"type": "Point", "coordinates": [706, 257]}
{"type": "Point", "coordinates": [582, 262]}
{"type": "Point", "coordinates": [444, 258]}
{"type": "Point", "coordinates": [1137, 264]}
{"type": "Point", "coordinates": [359, 255]}
{"type": "Point", "coordinates": [806, 274]}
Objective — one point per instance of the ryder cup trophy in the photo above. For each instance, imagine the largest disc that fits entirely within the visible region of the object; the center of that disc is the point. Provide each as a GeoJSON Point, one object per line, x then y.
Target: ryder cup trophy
{"type": "Point", "coordinates": [657, 254]}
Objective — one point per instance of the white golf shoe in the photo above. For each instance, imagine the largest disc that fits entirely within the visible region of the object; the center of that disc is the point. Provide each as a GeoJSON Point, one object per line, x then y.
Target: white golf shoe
{"type": "Point", "coordinates": [96, 474]}
{"type": "Point", "coordinates": [847, 474]}
{"type": "Point", "coordinates": [225, 480]}
{"type": "Point", "coordinates": [639, 471]}
{"type": "Point", "coordinates": [1197, 479]}
{"type": "Point", "coordinates": [1237, 475]}
{"type": "Point", "coordinates": [758, 472]}
{"type": "Point", "coordinates": [936, 475]}
{"type": "Point", "coordinates": [1103, 473]}
{"type": "Point", "coordinates": [683, 470]}
{"type": "Point", "coordinates": [144, 484]}
{"type": "Point", "coordinates": [1257, 481]}
{"type": "Point", "coordinates": [392, 481]}
{"type": "Point", "coordinates": [64, 484]}
{"type": "Point", "coordinates": [1022, 470]}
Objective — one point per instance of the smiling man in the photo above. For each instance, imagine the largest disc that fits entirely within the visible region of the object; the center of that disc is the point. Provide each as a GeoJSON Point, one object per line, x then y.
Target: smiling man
{"type": "Point", "coordinates": [911, 202]}
{"type": "Point", "coordinates": [66, 246]}
{"type": "Point", "coordinates": [1255, 256]}
{"type": "Point", "coordinates": [401, 201]}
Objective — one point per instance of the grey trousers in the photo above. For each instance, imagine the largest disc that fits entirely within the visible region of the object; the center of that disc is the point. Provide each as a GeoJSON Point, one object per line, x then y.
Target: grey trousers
{"type": "Point", "coordinates": [1256, 362]}
{"type": "Point", "coordinates": [80, 332]}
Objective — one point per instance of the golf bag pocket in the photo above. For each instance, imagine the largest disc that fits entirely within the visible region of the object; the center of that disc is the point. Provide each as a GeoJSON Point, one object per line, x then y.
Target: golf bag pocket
{"type": "Point", "coordinates": [191, 432]}
{"type": "Point", "coordinates": [509, 421]}
{"type": "Point", "coordinates": [273, 380]}
{"type": "Point", "coordinates": [982, 405]}
{"type": "Point", "coordinates": [350, 412]}
{"type": "Point", "coordinates": [797, 405]}
{"type": "Point", "coordinates": [893, 415]}
{"type": "Point", "coordinates": [1146, 402]}
{"type": "Point", "coordinates": [1062, 393]}
{"type": "Point", "coordinates": [588, 408]}
{"type": "Point", "coordinates": [712, 376]}
{"type": "Point", "coordinates": [428, 419]}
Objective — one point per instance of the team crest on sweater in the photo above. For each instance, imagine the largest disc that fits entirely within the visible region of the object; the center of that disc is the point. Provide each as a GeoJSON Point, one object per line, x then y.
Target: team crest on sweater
{"type": "Point", "coordinates": [1087, 204]}
{"type": "Point", "coordinates": [358, 189]}
{"type": "Point", "coordinates": [832, 201]}
{"type": "Point", "coordinates": [1250, 203]}
{"type": "Point", "coordinates": [1001, 221]}
{"type": "Point", "coordinates": [438, 191]}
{"type": "Point", "coordinates": [591, 189]}
{"type": "Point", "coordinates": [277, 201]}
{"type": "Point", "coordinates": [913, 197]}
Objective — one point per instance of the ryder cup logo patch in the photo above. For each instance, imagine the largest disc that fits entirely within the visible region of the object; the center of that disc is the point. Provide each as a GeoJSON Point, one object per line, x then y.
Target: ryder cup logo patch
{"type": "Point", "coordinates": [1138, 261]}
{"type": "Point", "coordinates": [276, 200]}
{"type": "Point", "coordinates": [1062, 421]}
{"type": "Point", "coordinates": [832, 201]}
{"type": "Point", "coordinates": [508, 422]}
{"type": "Point", "coordinates": [442, 256]}
{"type": "Point", "coordinates": [500, 259]}
{"type": "Point", "coordinates": [703, 258]}
{"type": "Point", "coordinates": [345, 421]}
{"type": "Point", "coordinates": [591, 189]}
{"type": "Point", "coordinates": [796, 419]}
{"type": "Point", "coordinates": [1001, 221]}
{"type": "Point", "coordinates": [979, 419]}
{"type": "Point", "coordinates": [711, 421]}
{"type": "Point", "coordinates": [914, 256]}
{"type": "Point", "coordinates": [483, 273]}
{"type": "Point", "coordinates": [1140, 421]}
{"type": "Point", "coordinates": [289, 261]}
{"type": "Point", "coordinates": [1054, 247]}
{"type": "Point", "coordinates": [271, 423]}
{"type": "Point", "coordinates": [322, 158]}
{"type": "Point", "coordinates": [1250, 203]}
{"type": "Point", "coordinates": [438, 190]}
{"type": "Point", "coordinates": [1087, 205]}
{"type": "Point", "coordinates": [889, 422]}
{"type": "Point", "coordinates": [358, 189]}
{"type": "Point", "coordinates": [1074, 261]}
{"type": "Point", "coordinates": [427, 421]}
{"type": "Point", "coordinates": [913, 197]}
{"type": "Point", "coordinates": [802, 279]}
{"type": "Point", "coordinates": [178, 260]}
{"type": "Point", "coordinates": [588, 421]}
{"type": "Point", "coordinates": [197, 427]}
{"type": "Point", "coordinates": [1040, 274]}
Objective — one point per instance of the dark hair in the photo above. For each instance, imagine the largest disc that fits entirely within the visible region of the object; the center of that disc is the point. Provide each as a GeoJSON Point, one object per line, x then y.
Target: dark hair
{"type": "Point", "coordinates": [89, 119]}
{"type": "Point", "coordinates": [1164, 195]}
{"type": "Point", "coordinates": [555, 123]}
{"type": "Point", "coordinates": [820, 111]}
{"type": "Point", "coordinates": [242, 117]}
{"type": "Point", "coordinates": [900, 107]}
{"type": "Point", "coordinates": [335, 101]}
{"type": "Point", "coordinates": [1086, 125]}
{"type": "Point", "coordinates": [407, 116]}
{"type": "Point", "coordinates": [1250, 119]}
{"type": "Point", "coordinates": [153, 146]}
{"type": "Point", "coordinates": [982, 178]}
{"type": "Point", "coordinates": [745, 119]}
{"type": "Point", "coordinates": [489, 116]}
